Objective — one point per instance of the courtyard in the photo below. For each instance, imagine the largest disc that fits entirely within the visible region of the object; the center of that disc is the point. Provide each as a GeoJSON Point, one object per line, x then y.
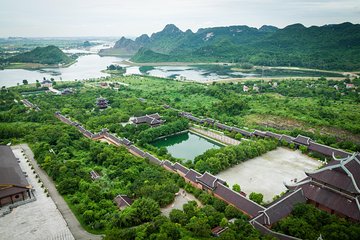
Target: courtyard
{"type": "Point", "coordinates": [35, 220]}
{"type": "Point", "coordinates": [266, 174]}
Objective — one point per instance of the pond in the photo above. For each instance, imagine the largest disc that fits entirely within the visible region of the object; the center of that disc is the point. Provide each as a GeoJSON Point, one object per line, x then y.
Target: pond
{"type": "Point", "coordinates": [186, 145]}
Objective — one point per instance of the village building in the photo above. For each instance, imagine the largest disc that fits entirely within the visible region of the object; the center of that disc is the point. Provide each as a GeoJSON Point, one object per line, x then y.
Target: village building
{"type": "Point", "coordinates": [334, 188]}
{"type": "Point", "coordinates": [245, 88]}
{"type": "Point", "coordinates": [46, 83]}
{"type": "Point", "coordinates": [217, 231]}
{"type": "Point", "coordinates": [13, 184]}
{"type": "Point", "coordinates": [255, 88]}
{"type": "Point", "coordinates": [66, 91]}
{"type": "Point", "coordinates": [349, 85]}
{"type": "Point", "coordinates": [153, 120]}
{"type": "Point", "coordinates": [102, 103]}
{"type": "Point", "coordinates": [123, 201]}
{"type": "Point", "coordinates": [104, 84]}
{"type": "Point", "coordinates": [94, 175]}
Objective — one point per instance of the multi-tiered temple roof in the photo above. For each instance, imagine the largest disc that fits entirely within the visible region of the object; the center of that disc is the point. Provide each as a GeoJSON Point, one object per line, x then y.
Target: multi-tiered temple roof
{"type": "Point", "coordinates": [335, 187]}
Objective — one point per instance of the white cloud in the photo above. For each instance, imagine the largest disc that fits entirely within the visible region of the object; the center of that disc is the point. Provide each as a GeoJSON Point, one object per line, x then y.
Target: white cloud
{"type": "Point", "coordinates": [116, 17]}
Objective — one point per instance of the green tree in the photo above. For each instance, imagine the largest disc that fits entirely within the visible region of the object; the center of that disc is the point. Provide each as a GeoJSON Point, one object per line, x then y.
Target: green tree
{"type": "Point", "coordinates": [256, 197]}
{"type": "Point", "coordinates": [178, 216]}
{"type": "Point", "coordinates": [199, 227]}
{"type": "Point", "coordinates": [236, 188]}
{"type": "Point", "coordinates": [171, 230]}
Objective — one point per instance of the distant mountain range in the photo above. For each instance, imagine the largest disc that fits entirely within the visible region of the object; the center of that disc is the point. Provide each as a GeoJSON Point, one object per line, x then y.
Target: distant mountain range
{"type": "Point", "coordinates": [335, 46]}
{"type": "Point", "coordinates": [43, 55]}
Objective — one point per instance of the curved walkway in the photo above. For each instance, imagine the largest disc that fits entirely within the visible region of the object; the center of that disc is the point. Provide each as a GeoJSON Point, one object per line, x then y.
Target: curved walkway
{"type": "Point", "coordinates": [76, 229]}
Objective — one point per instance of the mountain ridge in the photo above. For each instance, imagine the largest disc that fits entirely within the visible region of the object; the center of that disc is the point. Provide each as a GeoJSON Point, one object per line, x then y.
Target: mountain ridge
{"type": "Point", "coordinates": [331, 46]}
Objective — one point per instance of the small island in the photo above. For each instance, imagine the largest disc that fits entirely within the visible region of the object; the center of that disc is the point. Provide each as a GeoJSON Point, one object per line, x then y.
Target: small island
{"type": "Point", "coordinates": [49, 56]}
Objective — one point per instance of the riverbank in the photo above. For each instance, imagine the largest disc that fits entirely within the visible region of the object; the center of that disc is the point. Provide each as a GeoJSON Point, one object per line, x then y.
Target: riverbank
{"type": "Point", "coordinates": [36, 66]}
{"type": "Point", "coordinates": [269, 78]}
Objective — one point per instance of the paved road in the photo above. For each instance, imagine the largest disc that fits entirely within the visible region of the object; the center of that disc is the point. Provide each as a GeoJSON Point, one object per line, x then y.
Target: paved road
{"type": "Point", "coordinates": [76, 229]}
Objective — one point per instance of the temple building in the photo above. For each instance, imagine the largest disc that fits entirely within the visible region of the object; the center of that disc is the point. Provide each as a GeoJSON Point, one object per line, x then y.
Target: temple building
{"type": "Point", "coordinates": [102, 103]}
{"type": "Point", "coordinates": [13, 184]}
{"type": "Point", "coordinates": [46, 83]}
{"type": "Point", "coordinates": [123, 201]}
{"type": "Point", "coordinates": [335, 188]}
{"type": "Point", "coordinates": [153, 120]}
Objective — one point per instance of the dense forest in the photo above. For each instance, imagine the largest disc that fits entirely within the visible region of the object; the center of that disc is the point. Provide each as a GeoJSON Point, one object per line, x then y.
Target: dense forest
{"type": "Point", "coordinates": [152, 187]}
{"type": "Point", "coordinates": [73, 156]}
{"type": "Point", "coordinates": [334, 46]}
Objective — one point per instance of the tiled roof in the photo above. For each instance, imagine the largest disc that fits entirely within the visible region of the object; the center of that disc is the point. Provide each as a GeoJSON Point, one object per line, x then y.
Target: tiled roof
{"type": "Point", "coordinates": [209, 120]}
{"type": "Point", "coordinates": [152, 159]}
{"type": "Point", "coordinates": [302, 140]}
{"type": "Point", "coordinates": [259, 133]}
{"type": "Point", "coordinates": [193, 118]}
{"type": "Point", "coordinates": [181, 168]}
{"type": "Point", "coordinates": [192, 175]}
{"type": "Point", "coordinates": [168, 164]}
{"type": "Point", "coordinates": [326, 150]}
{"type": "Point", "coordinates": [127, 142]}
{"type": "Point", "coordinates": [209, 180]}
{"type": "Point", "coordinates": [281, 207]}
{"type": "Point", "coordinates": [152, 119]}
{"type": "Point", "coordinates": [332, 200]}
{"type": "Point", "coordinates": [137, 150]}
{"type": "Point", "coordinates": [223, 126]}
{"type": "Point", "coordinates": [273, 135]}
{"type": "Point", "coordinates": [335, 178]}
{"type": "Point", "coordinates": [239, 201]}
{"type": "Point", "coordinates": [241, 131]}
{"type": "Point", "coordinates": [341, 173]}
{"type": "Point", "coordinates": [123, 201]}
{"type": "Point", "coordinates": [287, 138]}
{"type": "Point", "coordinates": [10, 171]}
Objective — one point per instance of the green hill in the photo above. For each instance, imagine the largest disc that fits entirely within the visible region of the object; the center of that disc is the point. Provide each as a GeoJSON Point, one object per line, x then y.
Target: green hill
{"type": "Point", "coordinates": [42, 55]}
{"type": "Point", "coordinates": [335, 46]}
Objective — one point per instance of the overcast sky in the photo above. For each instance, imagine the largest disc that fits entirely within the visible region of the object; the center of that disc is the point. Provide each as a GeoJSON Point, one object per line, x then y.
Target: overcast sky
{"type": "Point", "coordinates": [66, 18]}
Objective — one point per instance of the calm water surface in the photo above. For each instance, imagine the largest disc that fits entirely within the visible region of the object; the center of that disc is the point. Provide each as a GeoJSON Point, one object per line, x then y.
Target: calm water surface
{"type": "Point", "coordinates": [186, 145]}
